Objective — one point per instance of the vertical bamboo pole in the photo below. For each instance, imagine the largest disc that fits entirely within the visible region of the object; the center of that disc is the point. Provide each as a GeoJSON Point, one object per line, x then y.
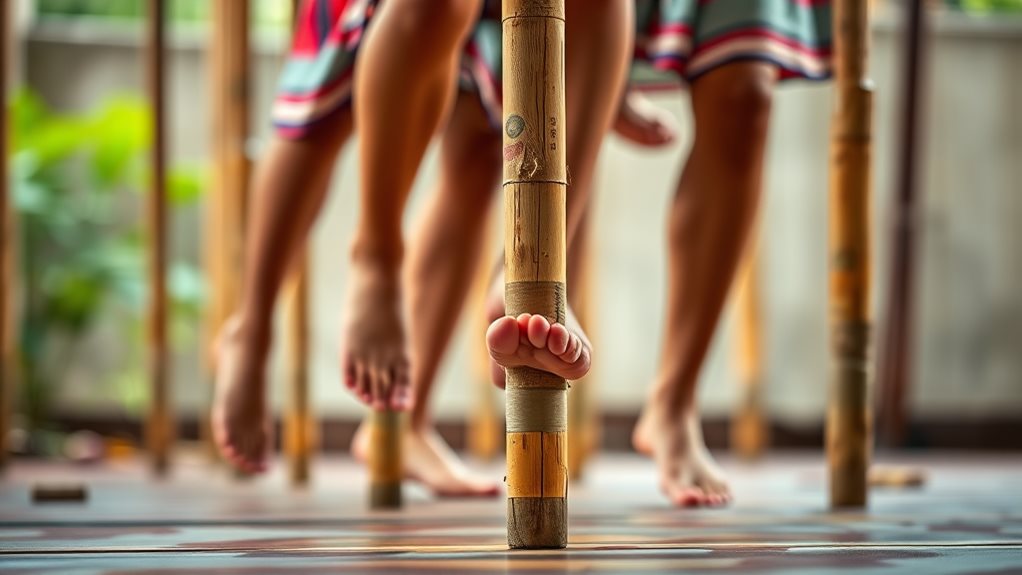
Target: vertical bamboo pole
{"type": "Point", "coordinates": [385, 459]}
{"type": "Point", "coordinates": [7, 239]}
{"type": "Point", "coordinates": [583, 416]}
{"type": "Point", "coordinates": [299, 429]}
{"type": "Point", "coordinates": [160, 430]}
{"type": "Point", "coordinates": [535, 184]}
{"type": "Point", "coordinates": [749, 430]}
{"type": "Point", "coordinates": [229, 114]}
{"type": "Point", "coordinates": [849, 417]}
{"type": "Point", "coordinates": [484, 419]}
{"type": "Point", "coordinates": [895, 367]}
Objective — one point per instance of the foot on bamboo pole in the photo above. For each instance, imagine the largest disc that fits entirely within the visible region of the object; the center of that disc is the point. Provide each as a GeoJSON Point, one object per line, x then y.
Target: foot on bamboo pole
{"type": "Point", "coordinates": [385, 459]}
{"type": "Point", "coordinates": [532, 340]}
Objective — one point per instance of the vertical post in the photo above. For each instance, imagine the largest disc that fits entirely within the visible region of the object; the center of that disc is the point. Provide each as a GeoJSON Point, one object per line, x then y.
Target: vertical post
{"type": "Point", "coordinates": [299, 429]}
{"type": "Point", "coordinates": [895, 367]}
{"type": "Point", "coordinates": [385, 459]}
{"type": "Point", "coordinates": [229, 77]}
{"type": "Point", "coordinates": [849, 417]}
{"type": "Point", "coordinates": [160, 430]}
{"type": "Point", "coordinates": [229, 116]}
{"type": "Point", "coordinates": [535, 186]}
{"type": "Point", "coordinates": [484, 419]}
{"type": "Point", "coordinates": [749, 430]}
{"type": "Point", "coordinates": [583, 425]}
{"type": "Point", "coordinates": [7, 239]}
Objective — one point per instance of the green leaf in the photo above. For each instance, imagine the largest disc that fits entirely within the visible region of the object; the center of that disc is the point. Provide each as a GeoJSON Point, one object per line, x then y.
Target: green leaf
{"type": "Point", "coordinates": [121, 131]}
{"type": "Point", "coordinates": [184, 186]}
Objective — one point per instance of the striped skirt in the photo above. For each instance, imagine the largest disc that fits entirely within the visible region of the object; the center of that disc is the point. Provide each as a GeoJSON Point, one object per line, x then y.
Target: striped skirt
{"type": "Point", "coordinates": [677, 41]}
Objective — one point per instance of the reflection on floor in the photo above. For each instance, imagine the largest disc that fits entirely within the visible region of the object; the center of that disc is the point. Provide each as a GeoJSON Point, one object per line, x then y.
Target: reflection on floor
{"type": "Point", "coordinates": [966, 518]}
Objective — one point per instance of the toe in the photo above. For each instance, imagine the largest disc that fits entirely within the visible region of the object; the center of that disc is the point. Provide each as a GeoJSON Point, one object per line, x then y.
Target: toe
{"type": "Point", "coordinates": [573, 351]}
{"type": "Point", "coordinates": [497, 374]}
{"type": "Point", "coordinates": [539, 331]}
{"type": "Point", "coordinates": [363, 387]}
{"type": "Point", "coordinates": [378, 386]}
{"type": "Point", "coordinates": [350, 376]}
{"type": "Point", "coordinates": [502, 337]}
{"type": "Point", "coordinates": [557, 343]}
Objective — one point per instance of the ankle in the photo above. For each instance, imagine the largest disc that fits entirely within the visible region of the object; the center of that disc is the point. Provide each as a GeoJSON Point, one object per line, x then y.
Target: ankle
{"type": "Point", "coordinates": [254, 335]}
{"type": "Point", "coordinates": [672, 399]}
{"type": "Point", "coordinates": [380, 254]}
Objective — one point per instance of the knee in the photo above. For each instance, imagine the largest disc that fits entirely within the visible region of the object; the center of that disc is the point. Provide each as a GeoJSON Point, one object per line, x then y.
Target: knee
{"type": "Point", "coordinates": [439, 23]}
{"type": "Point", "coordinates": [739, 100]}
{"type": "Point", "coordinates": [477, 165]}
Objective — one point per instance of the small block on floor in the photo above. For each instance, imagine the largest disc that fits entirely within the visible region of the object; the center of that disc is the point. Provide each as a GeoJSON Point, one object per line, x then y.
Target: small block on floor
{"type": "Point", "coordinates": [59, 492]}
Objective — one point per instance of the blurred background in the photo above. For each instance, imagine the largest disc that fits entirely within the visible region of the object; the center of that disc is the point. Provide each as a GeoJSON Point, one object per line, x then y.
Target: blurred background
{"type": "Point", "coordinates": [79, 167]}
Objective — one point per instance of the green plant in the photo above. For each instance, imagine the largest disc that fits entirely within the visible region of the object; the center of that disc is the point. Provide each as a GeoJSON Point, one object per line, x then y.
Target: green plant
{"type": "Point", "coordinates": [77, 182]}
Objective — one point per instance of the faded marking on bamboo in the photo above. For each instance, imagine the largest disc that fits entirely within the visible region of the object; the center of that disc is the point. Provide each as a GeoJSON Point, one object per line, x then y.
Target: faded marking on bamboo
{"type": "Point", "coordinates": [749, 429]}
{"type": "Point", "coordinates": [848, 415]}
{"type": "Point", "coordinates": [535, 181]}
{"type": "Point", "coordinates": [8, 380]}
{"type": "Point", "coordinates": [159, 428]}
{"type": "Point", "coordinates": [385, 459]}
{"type": "Point", "coordinates": [300, 425]}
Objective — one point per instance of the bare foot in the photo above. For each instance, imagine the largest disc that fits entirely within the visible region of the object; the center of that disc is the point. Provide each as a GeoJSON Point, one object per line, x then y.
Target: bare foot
{"type": "Point", "coordinates": [240, 419]}
{"type": "Point", "coordinates": [642, 123]}
{"type": "Point", "coordinates": [428, 460]}
{"type": "Point", "coordinates": [532, 341]}
{"type": "Point", "coordinates": [689, 476]}
{"type": "Point", "coordinates": [374, 359]}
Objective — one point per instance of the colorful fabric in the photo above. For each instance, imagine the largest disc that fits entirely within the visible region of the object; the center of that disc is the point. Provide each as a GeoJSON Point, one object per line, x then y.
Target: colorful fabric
{"type": "Point", "coordinates": [675, 40]}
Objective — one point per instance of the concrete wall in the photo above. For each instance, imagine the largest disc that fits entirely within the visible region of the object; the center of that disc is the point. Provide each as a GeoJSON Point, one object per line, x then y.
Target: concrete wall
{"type": "Point", "coordinates": [969, 349]}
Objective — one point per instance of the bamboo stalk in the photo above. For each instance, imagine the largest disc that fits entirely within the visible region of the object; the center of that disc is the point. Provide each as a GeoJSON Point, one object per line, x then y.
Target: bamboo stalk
{"type": "Point", "coordinates": [895, 366]}
{"type": "Point", "coordinates": [160, 430]}
{"type": "Point", "coordinates": [749, 429]}
{"type": "Point", "coordinates": [485, 424]}
{"type": "Point", "coordinates": [385, 459]}
{"type": "Point", "coordinates": [8, 381]}
{"type": "Point", "coordinates": [299, 429]}
{"type": "Point", "coordinates": [229, 77]}
{"type": "Point", "coordinates": [535, 183]}
{"type": "Point", "coordinates": [583, 417]}
{"type": "Point", "coordinates": [849, 417]}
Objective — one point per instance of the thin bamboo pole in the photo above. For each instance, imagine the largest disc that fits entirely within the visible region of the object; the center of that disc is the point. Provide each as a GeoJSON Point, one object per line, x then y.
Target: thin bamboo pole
{"type": "Point", "coordinates": [230, 115]}
{"type": "Point", "coordinates": [895, 367]}
{"type": "Point", "coordinates": [160, 432]}
{"type": "Point", "coordinates": [535, 184]}
{"type": "Point", "coordinates": [299, 429]}
{"type": "Point", "coordinates": [485, 424]}
{"type": "Point", "coordinates": [849, 417]}
{"type": "Point", "coordinates": [300, 426]}
{"type": "Point", "coordinates": [8, 381]}
{"type": "Point", "coordinates": [750, 433]}
{"type": "Point", "coordinates": [583, 416]}
{"type": "Point", "coordinates": [229, 77]}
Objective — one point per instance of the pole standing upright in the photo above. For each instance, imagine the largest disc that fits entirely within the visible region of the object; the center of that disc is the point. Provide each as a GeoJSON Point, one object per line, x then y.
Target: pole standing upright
{"type": "Point", "coordinates": [535, 185]}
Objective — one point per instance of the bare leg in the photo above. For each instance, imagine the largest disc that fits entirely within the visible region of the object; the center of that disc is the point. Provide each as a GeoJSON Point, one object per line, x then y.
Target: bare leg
{"type": "Point", "coordinates": [404, 84]}
{"type": "Point", "coordinates": [442, 261]}
{"type": "Point", "coordinates": [713, 210]}
{"type": "Point", "coordinates": [598, 40]}
{"type": "Point", "coordinates": [287, 192]}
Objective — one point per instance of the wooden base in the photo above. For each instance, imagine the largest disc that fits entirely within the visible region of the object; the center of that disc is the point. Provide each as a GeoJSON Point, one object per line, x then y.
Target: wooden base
{"type": "Point", "coordinates": [385, 495]}
{"type": "Point", "coordinates": [537, 522]}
